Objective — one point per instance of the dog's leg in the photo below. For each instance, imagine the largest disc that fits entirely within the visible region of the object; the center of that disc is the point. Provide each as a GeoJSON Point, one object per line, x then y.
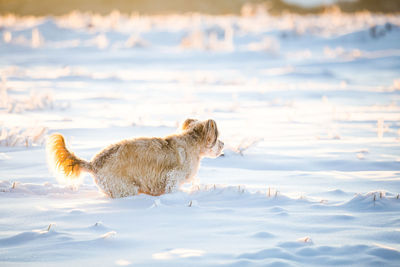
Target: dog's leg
{"type": "Point", "coordinates": [174, 180]}
{"type": "Point", "coordinates": [116, 187]}
{"type": "Point", "coordinates": [171, 186]}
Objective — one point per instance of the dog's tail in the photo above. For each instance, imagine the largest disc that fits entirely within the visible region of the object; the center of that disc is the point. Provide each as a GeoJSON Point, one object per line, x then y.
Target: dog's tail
{"type": "Point", "coordinates": [64, 163]}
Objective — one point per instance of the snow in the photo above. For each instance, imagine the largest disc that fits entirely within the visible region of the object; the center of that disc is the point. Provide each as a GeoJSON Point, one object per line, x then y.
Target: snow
{"type": "Point", "coordinates": [307, 107]}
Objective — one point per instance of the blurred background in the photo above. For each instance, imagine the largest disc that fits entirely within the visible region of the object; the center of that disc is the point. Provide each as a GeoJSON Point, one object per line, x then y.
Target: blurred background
{"type": "Point", "coordinates": [215, 7]}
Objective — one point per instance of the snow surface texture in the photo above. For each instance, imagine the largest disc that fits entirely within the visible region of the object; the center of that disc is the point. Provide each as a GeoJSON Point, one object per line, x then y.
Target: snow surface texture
{"type": "Point", "coordinates": [306, 105]}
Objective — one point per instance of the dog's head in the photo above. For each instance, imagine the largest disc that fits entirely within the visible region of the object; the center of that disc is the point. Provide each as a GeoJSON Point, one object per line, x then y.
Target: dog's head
{"type": "Point", "coordinates": [206, 134]}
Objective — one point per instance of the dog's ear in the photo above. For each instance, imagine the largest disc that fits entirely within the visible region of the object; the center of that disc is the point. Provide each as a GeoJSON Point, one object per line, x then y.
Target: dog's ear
{"type": "Point", "coordinates": [186, 123]}
{"type": "Point", "coordinates": [211, 133]}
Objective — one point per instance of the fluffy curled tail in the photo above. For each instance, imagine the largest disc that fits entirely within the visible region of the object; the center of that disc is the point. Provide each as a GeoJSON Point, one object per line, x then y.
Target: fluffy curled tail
{"type": "Point", "coordinates": [63, 162]}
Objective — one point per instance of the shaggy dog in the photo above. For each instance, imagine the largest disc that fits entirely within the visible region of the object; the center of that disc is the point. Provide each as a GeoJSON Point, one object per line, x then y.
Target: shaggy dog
{"type": "Point", "coordinates": [151, 166]}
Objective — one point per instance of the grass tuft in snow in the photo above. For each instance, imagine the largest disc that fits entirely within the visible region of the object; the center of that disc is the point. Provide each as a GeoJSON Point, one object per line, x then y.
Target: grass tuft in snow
{"type": "Point", "coordinates": [51, 226]}
{"type": "Point", "coordinates": [16, 136]}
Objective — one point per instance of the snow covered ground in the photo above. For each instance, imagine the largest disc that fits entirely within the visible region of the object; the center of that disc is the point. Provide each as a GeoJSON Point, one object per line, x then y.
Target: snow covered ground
{"type": "Point", "coordinates": [308, 107]}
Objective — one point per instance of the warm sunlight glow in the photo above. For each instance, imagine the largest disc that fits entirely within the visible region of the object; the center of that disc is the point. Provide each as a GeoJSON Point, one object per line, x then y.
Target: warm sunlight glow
{"type": "Point", "coordinates": [178, 253]}
{"type": "Point", "coordinates": [123, 262]}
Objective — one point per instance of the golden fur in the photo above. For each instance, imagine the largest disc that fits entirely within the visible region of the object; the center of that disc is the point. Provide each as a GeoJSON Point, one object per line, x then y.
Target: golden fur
{"type": "Point", "coordinates": [151, 166]}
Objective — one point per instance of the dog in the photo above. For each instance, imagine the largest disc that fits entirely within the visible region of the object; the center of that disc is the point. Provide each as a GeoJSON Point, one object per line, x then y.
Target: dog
{"type": "Point", "coordinates": [152, 166]}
